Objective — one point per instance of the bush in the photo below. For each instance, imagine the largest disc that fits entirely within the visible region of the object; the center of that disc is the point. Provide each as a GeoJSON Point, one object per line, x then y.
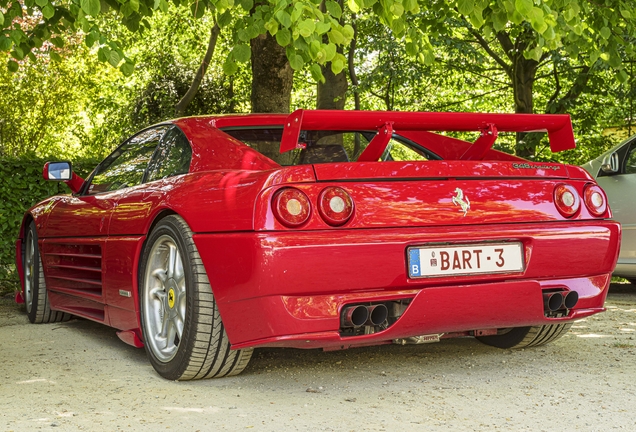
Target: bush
{"type": "Point", "coordinates": [22, 186]}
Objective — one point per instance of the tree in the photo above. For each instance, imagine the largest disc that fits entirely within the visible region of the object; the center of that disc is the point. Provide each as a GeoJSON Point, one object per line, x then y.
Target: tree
{"type": "Point", "coordinates": [521, 36]}
{"type": "Point", "coordinates": [525, 37]}
{"type": "Point", "coordinates": [332, 88]}
{"type": "Point", "coordinates": [187, 98]}
{"type": "Point", "coordinates": [57, 109]}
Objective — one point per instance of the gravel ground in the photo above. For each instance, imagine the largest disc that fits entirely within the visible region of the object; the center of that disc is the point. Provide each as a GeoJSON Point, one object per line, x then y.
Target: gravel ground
{"type": "Point", "coordinates": [79, 376]}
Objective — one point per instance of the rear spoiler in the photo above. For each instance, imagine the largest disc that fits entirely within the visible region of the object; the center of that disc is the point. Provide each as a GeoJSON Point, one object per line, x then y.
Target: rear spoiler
{"type": "Point", "coordinates": [558, 127]}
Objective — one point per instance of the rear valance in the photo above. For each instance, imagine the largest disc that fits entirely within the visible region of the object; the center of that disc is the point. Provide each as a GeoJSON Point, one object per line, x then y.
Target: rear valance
{"type": "Point", "coordinates": [558, 126]}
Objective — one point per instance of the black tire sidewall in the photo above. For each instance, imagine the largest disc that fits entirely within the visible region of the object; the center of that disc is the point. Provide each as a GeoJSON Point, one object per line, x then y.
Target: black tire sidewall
{"type": "Point", "coordinates": [174, 368]}
{"type": "Point", "coordinates": [35, 282]}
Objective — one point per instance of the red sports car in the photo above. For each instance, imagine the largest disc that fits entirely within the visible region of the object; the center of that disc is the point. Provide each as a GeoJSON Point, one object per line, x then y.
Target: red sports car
{"type": "Point", "coordinates": [202, 238]}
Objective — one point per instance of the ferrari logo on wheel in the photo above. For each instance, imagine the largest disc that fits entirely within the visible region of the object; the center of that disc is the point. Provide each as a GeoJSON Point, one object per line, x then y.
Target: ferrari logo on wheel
{"type": "Point", "coordinates": [462, 201]}
{"type": "Point", "coordinates": [171, 298]}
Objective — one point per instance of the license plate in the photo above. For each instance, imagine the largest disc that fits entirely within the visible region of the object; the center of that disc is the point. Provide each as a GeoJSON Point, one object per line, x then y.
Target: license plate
{"type": "Point", "coordinates": [479, 258]}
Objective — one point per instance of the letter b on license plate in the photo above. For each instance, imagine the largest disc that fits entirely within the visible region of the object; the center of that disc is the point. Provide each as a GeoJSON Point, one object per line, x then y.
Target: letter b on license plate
{"type": "Point", "coordinates": [483, 258]}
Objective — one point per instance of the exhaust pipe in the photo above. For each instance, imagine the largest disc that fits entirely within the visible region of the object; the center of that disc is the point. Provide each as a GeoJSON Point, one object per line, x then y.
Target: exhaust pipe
{"type": "Point", "coordinates": [377, 314]}
{"type": "Point", "coordinates": [570, 299]}
{"type": "Point", "coordinates": [354, 316]}
{"type": "Point", "coordinates": [552, 301]}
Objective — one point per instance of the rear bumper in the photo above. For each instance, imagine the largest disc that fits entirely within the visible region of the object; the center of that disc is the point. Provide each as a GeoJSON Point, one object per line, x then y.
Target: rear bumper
{"type": "Point", "coordinates": [288, 288]}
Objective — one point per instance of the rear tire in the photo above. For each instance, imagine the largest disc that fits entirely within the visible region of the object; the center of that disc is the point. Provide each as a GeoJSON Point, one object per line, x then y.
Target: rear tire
{"type": "Point", "coordinates": [36, 298]}
{"type": "Point", "coordinates": [183, 333]}
{"type": "Point", "coordinates": [526, 337]}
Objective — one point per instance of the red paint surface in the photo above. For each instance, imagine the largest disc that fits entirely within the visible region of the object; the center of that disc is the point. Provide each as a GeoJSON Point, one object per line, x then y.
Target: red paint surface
{"type": "Point", "coordinates": [259, 275]}
{"type": "Point", "coordinates": [279, 286]}
{"type": "Point", "coordinates": [558, 126]}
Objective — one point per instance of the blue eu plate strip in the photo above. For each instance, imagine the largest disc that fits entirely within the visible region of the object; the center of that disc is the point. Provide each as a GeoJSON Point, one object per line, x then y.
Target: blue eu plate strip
{"type": "Point", "coordinates": [414, 263]}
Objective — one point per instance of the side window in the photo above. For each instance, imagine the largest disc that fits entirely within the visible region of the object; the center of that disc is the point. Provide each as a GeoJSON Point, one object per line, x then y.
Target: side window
{"type": "Point", "coordinates": [630, 160]}
{"type": "Point", "coordinates": [125, 166]}
{"type": "Point", "coordinates": [172, 156]}
{"type": "Point", "coordinates": [397, 151]}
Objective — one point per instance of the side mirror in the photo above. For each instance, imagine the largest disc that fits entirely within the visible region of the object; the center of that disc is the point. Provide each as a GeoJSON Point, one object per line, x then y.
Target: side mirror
{"type": "Point", "coordinates": [610, 164]}
{"type": "Point", "coordinates": [63, 171]}
{"type": "Point", "coordinates": [59, 171]}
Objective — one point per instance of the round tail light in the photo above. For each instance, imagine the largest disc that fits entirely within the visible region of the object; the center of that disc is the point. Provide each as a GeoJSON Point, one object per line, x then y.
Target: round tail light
{"type": "Point", "coordinates": [291, 207]}
{"type": "Point", "coordinates": [566, 199]}
{"type": "Point", "coordinates": [595, 200]}
{"type": "Point", "coordinates": [335, 206]}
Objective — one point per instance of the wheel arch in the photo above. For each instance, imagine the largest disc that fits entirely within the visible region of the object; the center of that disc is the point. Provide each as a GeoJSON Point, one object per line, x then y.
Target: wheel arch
{"type": "Point", "coordinates": [155, 220]}
{"type": "Point", "coordinates": [139, 256]}
{"type": "Point", "coordinates": [38, 214]}
{"type": "Point", "coordinates": [19, 249]}
{"type": "Point", "coordinates": [206, 349]}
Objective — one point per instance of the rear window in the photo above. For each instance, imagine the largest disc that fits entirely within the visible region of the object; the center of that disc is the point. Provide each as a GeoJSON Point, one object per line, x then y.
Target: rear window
{"type": "Point", "coordinates": [326, 146]}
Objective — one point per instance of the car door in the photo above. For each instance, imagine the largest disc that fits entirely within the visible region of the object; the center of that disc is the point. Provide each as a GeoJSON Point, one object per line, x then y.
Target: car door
{"type": "Point", "coordinates": [131, 217]}
{"type": "Point", "coordinates": [74, 247]}
{"type": "Point", "coordinates": [171, 158]}
{"type": "Point", "coordinates": [621, 190]}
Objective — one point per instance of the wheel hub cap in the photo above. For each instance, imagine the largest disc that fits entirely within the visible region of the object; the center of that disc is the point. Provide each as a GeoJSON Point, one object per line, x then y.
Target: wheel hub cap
{"type": "Point", "coordinates": [164, 299]}
{"type": "Point", "coordinates": [171, 298]}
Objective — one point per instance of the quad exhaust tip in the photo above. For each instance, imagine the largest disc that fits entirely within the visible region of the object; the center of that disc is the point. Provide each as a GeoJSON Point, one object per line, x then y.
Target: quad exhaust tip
{"type": "Point", "coordinates": [559, 300]}
{"type": "Point", "coordinates": [359, 315]}
{"type": "Point", "coordinates": [377, 314]}
{"type": "Point", "coordinates": [552, 301]}
{"type": "Point", "coordinates": [570, 299]}
{"type": "Point", "coordinates": [354, 316]}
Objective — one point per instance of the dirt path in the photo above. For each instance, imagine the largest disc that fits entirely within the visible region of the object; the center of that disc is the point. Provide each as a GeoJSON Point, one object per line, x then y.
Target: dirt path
{"type": "Point", "coordinates": [79, 376]}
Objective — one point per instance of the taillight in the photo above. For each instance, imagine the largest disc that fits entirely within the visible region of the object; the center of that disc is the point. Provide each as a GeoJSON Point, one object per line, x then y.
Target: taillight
{"type": "Point", "coordinates": [335, 205]}
{"type": "Point", "coordinates": [566, 199]}
{"type": "Point", "coordinates": [291, 207]}
{"type": "Point", "coordinates": [594, 199]}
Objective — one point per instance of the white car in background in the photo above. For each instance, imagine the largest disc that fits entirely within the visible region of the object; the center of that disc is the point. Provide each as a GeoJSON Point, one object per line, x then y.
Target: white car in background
{"type": "Point", "coordinates": [615, 172]}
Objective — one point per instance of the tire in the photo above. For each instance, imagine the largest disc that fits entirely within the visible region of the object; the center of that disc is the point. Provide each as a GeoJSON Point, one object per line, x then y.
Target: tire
{"type": "Point", "coordinates": [36, 298]}
{"type": "Point", "coordinates": [526, 337]}
{"type": "Point", "coordinates": [182, 329]}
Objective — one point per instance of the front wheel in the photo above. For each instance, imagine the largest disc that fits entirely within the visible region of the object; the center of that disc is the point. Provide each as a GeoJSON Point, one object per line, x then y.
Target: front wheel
{"type": "Point", "coordinates": [182, 329]}
{"type": "Point", "coordinates": [526, 337]}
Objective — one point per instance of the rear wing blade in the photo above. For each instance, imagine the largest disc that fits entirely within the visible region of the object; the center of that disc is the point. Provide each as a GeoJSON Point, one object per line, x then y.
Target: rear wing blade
{"type": "Point", "coordinates": [558, 126]}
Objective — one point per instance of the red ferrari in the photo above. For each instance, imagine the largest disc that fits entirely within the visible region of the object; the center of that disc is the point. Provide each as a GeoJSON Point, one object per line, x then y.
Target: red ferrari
{"type": "Point", "coordinates": [202, 238]}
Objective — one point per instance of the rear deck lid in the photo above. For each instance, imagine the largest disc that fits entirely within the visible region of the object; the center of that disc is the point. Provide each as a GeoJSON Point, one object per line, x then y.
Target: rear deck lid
{"type": "Point", "coordinates": [438, 169]}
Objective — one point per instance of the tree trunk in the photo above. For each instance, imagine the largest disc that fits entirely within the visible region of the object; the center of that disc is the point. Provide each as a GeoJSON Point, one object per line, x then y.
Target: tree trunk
{"type": "Point", "coordinates": [182, 105]}
{"type": "Point", "coordinates": [524, 72]}
{"type": "Point", "coordinates": [272, 76]}
{"type": "Point", "coordinates": [351, 63]}
{"type": "Point", "coordinates": [561, 105]}
{"type": "Point", "coordinates": [272, 79]}
{"type": "Point", "coordinates": [354, 80]}
{"type": "Point", "coordinates": [332, 94]}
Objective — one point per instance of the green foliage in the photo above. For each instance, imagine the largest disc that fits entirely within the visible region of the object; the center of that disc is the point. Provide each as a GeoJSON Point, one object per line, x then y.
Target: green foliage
{"type": "Point", "coordinates": [310, 34]}
{"type": "Point", "coordinates": [168, 56]}
{"type": "Point", "coordinates": [58, 108]}
{"type": "Point", "coordinates": [168, 82]}
{"type": "Point", "coordinates": [22, 186]}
